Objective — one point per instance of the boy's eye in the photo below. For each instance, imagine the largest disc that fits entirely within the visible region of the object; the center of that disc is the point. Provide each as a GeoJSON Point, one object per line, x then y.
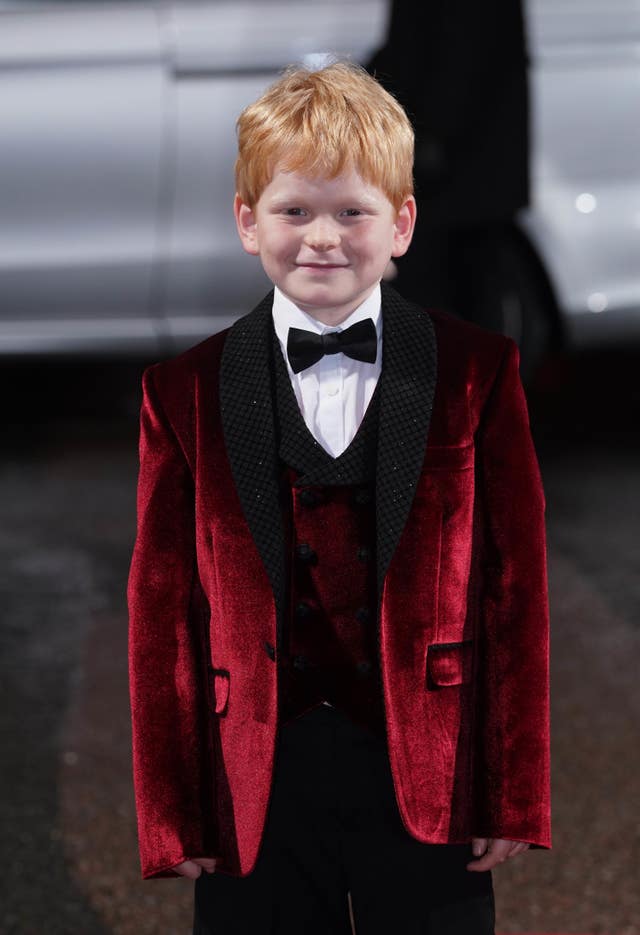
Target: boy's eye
{"type": "Point", "coordinates": [294, 212]}
{"type": "Point", "coordinates": [351, 212]}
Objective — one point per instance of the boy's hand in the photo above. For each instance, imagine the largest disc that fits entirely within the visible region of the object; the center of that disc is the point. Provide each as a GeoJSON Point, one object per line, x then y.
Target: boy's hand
{"type": "Point", "coordinates": [193, 868]}
{"type": "Point", "coordinates": [495, 851]}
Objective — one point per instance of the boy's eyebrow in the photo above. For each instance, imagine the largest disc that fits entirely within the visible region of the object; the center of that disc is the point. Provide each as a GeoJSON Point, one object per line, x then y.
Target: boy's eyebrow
{"type": "Point", "coordinates": [287, 199]}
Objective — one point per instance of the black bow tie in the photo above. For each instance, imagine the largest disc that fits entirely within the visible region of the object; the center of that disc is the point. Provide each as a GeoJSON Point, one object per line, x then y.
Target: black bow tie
{"type": "Point", "coordinates": [305, 348]}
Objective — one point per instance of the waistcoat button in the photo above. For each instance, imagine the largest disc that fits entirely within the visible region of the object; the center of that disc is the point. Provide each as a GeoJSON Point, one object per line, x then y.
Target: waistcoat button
{"type": "Point", "coordinates": [363, 668]}
{"type": "Point", "coordinates": [300, 663]}
{"type": "Point", "coordinates": [308, 498]}
{"type": "Point", "coordinates": [364, 554]}
{"type": "Point", "coordinates": [303, 611]}
{"type": "Point", "coordinates": [306, 554]}
{"type": "Point", "coordinates": [363, 615]}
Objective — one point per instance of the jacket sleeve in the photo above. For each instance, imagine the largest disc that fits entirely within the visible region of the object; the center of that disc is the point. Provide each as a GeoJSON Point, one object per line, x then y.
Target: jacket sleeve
{"type": "Point", "coordinates": [512, 776]}
{"type": "Point", "coordinates": [167, 656]}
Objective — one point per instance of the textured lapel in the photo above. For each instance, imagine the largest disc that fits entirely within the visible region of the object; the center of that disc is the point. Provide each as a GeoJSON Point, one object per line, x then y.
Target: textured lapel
{"type": "Point", "coordinates": [246, 402]}
{"type": "Point", "coordinates": [410, 368]}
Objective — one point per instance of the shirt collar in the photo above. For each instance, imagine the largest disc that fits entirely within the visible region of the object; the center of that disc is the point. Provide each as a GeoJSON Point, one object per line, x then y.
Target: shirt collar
{"type": "Point", "coordinates": [287, 315]}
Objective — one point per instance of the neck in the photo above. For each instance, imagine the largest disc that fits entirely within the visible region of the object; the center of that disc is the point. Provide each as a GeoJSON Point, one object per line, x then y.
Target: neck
{"type": "Point", "coordinates": [333, 317]}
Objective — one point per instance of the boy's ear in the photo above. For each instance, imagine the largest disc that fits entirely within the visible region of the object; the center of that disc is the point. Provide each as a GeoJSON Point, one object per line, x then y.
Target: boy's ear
{"type": "Point", "coordinates": [404, 225]}
{"type": "Point", "coordinates": [246, 224]}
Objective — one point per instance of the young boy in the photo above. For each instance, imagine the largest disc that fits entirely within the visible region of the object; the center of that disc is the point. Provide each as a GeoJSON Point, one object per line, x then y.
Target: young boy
{"type": "Point", "coordinates": [338, 605]}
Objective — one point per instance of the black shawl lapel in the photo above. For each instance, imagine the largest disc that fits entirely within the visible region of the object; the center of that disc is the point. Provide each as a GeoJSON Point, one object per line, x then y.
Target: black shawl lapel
{"type": "Point", "coordinates": [248, 422]}
{"type": "Point", "coordinates": [408, 386]}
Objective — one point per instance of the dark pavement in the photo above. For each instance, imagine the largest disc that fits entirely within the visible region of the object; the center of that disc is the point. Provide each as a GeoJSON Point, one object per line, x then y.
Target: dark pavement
{"type": "Point", "coordinates": [67, 491]}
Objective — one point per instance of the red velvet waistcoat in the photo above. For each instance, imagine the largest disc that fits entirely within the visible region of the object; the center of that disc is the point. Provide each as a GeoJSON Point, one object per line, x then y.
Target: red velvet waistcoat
{"type": "Point", "coordinates": [332, 632]}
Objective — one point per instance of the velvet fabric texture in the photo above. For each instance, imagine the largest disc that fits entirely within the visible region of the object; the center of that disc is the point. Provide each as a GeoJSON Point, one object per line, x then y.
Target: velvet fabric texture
{"type": "Point", "coordinates": [462, 592]}
{"type": "Point", "coordinates": [333, 620]}
{"type": "Point", "coordinates": [331, 624]}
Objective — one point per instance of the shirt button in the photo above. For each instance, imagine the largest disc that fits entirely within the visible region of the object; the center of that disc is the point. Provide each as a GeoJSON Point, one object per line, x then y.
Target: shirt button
{"type": "Point", "coordinates": [333, 391]}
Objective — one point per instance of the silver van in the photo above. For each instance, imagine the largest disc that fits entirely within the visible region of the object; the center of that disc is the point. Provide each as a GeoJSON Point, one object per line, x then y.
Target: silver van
{"type": "Point", "coordinates": [117, 145]}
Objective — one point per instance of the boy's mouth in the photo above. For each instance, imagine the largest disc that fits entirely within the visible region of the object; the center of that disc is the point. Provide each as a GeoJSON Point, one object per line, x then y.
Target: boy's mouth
{"type": "Point", "coordinates": [321, 266]}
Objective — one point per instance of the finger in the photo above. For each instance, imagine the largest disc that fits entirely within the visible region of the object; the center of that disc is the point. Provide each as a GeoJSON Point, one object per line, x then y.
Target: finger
{"type": "Point", "coordinates": [188, 868]}
{"type": "Point", "coordinates": [486, 862]}
{"type": "Point", "coordinates": [479, 846]}
{"type": "Point", "coordinates": [207, 863]}
{"type": "Point", "coordinates": [496, 854]}
{"type": "Point", "coordinates": [518, 847]}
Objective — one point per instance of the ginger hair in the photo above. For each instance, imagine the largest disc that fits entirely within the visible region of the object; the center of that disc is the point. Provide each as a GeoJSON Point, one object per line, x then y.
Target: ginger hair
{"type": "Point", "coordinates": [324, 123]}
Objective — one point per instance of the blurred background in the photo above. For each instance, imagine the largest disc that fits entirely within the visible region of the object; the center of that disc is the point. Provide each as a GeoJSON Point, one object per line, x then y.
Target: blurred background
{"type": "Point", "coordinates": [118, 248]}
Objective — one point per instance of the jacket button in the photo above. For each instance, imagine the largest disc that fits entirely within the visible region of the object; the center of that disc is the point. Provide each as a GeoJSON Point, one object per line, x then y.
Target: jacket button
{"type": "Point", "coordinates": [364, 554]}
{"type": "Point", "coordinates": [363, 668]}
{"type": "Point", "coordinates": [306, 554]}
{"type": "Point", "coordinates": [308, 498]}
{"type": "Point", "coordinates": [300, 663]}
{"type": "Point", "coordinates": [270, 651]}
{"type": "Point", "coordinates": [363, 615]}
{"type": "Point", "coordinates": [303, 611]}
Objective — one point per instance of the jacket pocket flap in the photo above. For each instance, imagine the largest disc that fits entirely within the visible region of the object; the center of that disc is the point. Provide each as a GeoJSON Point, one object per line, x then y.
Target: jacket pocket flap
{"type": "Point", "coordinates": [449, 663]}
{"type": "Point", "coordinates": [219, 685]}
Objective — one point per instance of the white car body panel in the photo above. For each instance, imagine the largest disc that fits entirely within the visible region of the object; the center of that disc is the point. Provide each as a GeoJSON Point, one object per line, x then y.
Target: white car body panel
{"type": "Point", "coordinates": [117, 144]}
{"type": "Point", "coordinates": [584, 218]}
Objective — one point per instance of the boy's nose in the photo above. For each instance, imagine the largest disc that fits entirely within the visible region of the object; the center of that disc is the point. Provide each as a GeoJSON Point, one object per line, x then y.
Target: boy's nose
{"type": "Point", "coordinates": [322, 235]}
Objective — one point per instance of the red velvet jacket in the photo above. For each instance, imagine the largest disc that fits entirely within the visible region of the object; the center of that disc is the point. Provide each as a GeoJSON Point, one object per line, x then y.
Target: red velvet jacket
{"type": "Point", "coordinates": [463, 614]}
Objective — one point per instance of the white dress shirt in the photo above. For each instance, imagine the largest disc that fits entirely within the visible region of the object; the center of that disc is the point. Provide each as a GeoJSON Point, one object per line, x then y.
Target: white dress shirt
{"type": "Point", "coordinates": [333, 394]}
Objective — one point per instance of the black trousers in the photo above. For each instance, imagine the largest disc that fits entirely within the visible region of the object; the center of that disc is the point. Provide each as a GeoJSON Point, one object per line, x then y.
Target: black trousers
{"type": "Point", "coordinates": [333, 828]}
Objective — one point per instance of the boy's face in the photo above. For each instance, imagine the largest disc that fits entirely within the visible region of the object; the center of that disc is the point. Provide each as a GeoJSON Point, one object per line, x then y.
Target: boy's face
{"type": "Point", "coordinates": [324, 242]}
